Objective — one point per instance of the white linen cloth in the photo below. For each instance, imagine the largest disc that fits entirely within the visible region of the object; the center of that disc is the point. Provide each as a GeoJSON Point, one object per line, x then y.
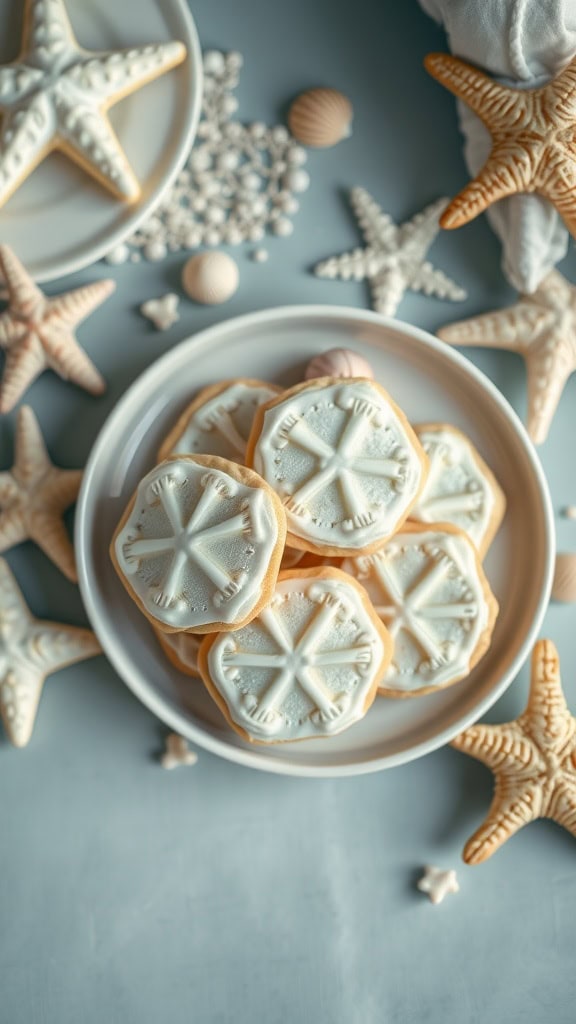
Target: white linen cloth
{"type": "Point", "coordinates": [521, 43]}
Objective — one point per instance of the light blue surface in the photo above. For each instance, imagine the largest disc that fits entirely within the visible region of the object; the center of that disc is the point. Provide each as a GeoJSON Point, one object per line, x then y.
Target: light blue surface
{"type": "Point", "coordinates": [130, 895]}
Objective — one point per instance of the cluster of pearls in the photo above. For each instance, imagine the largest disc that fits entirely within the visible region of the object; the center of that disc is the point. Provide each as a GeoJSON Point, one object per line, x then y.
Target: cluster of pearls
{"type": "Point", "coordinates": [239, 179]}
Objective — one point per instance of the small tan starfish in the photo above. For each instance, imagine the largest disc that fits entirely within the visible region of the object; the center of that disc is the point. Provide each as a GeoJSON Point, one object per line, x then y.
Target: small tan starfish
{"type": "Point", "coordinates": [30, 650]}
{"type": "Point", "coordinates": [533, 760]}
{"type": "Point", "coordinates": [37, 333]}
{"type": "Point", "coordinates": [533, 139]}
{"type": "Point", "coordinates": [34, 494]}
{"type": "Point", "coordinates": [542, 328]}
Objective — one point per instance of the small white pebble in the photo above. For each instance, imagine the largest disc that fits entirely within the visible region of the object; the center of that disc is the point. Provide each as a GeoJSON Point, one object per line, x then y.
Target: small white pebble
{"type": "Point", "coordinates": [162, 312]}
{"type": "Point", "coordinates": [177, 753]}
{"type": "Point", "coordinates": [569, 512]}
{"type": "Point", "coordinates": [437, 883]}
{"type": "Point", "coordinates": [118, 255]}
{"type": "Point", "coordinates": [259, 255]}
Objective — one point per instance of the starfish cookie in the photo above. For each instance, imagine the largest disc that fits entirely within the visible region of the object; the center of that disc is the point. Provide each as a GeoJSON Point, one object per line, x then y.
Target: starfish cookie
{"type": "Point", "coordinates": [533, 760]}
{"type": "Point", "coordinates": [542, 328]}
{"type": "Point", "coordinates": [37, 333]}
{"type": "Point", "coordinates": [55, 96]}
{"type": "Point", "coordinates": [33, 496]}
{"type": "Point", "coordinates": [394, 257]}
{"type": "Point", "coordinates": [30, 650]}
{"type": "Point", "coordinates": [533, 134]}
{"type": "Point", "coordinates": [437, 883]}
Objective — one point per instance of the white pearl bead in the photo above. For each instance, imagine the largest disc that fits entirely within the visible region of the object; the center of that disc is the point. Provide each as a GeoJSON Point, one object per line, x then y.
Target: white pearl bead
{"type": "Point", "coordinates": [214, 62]}
{"type": "Point", "coordinates": [296, 180]}
{"type": "Point", "coordinates": [210, 277]}
{"type": "Point", "coordinates": [283, 227]}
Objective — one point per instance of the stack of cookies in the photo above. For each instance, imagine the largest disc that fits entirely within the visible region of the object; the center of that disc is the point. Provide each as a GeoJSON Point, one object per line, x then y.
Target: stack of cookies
{"type": "Point", "coordinates": [303, 551]}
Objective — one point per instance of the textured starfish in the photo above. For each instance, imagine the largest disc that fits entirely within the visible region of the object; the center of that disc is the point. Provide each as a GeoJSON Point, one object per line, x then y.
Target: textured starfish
{"type": "Point", "coordinates": [30, 650]}
{"type": "Point", "coordinates": [533, 139]}
{"type": "Point", "coordinates": [33, 496]}
{"type": "Point", "coordinates": [542, 328]}
{"type": "Point", "coordinates": [37, 333]}
{"type": "Point", "coordinates": [55, 96]}
{"type": "Point", "coordinates": [533, 760]}
{"type": "Point", "coordinates": [437, 883]}
{"type": "Point", "coordinates": [394, 257]}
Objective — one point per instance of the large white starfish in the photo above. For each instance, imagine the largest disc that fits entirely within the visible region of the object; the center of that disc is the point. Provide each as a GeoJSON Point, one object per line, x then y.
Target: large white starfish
{"type": "Point", "coordinates": [542, 328]}
{"type": "Point", "coordinates": [56, 94]}
{"type": "Point", "coordinates": [30, 650]}
{"type": "Point", "coordinates": [37, 333]}
{"type": "Point", "coordinates": [395, 255]}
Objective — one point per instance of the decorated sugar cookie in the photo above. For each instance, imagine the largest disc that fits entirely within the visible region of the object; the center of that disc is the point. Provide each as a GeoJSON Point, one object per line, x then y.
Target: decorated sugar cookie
{"type": "Point", "coordinates": [306, 667]}
{"type": "Point", "coordinates": [199, 545]}
{"type": "Point", "coordinates": [181, 649]}
{"type": "Point", "coordinates": [460, 488]}
{"type": "Point", "coordinates": [219, 420]}
{"type": "Point", "coordinates": [344, 460]}
{"type": "Point", "coordinates": [428, 587]}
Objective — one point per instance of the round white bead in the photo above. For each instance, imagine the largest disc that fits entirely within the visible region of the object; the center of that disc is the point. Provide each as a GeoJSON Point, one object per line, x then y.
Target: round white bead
{"type": "Point", "coordinates": [210, 277]}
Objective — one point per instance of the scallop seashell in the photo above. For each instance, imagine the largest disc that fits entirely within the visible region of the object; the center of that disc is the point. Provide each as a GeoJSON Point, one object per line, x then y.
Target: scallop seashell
{"type": "Point", "coordinates": [210, 277]}
{"type": "Point", "coordinates": [338, 362]}
{"type": "Point", "coordinates": [564, 585]}
{"type": "Point", "coordinates": [320, 117]}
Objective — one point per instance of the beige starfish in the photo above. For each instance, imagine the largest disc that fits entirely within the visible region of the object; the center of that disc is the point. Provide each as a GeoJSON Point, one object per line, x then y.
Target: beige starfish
{"type": "Point", "coordinates": [30, 650]}
{"type": "Point", "coordinates": [34, 494]}
{"type": "Point", "coordinates": [542, 328]}
{"type": "Point", "coordinates": [533, 139]}
{"type": "Point", "coordinates": [533, 760]}
{"type": "Point", "coordinates": [37, 333]}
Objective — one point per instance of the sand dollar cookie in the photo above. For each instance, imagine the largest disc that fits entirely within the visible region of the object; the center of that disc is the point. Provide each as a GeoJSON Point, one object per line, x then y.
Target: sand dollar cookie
{"type": "Point", "coordinates": [428, 587]}
{"type": "Point", "coordinates": [181, 649]}
{"type": "Point", "coordinates": [344, 460]}
{"type": "Point", "coordinates": [306, 667]}
{"type": "Point", "coordinates": [199, 545]}
{"type": "Point", "coordinates": [460, 489]}
{"type": "Point", "coordinates": [219, 420]}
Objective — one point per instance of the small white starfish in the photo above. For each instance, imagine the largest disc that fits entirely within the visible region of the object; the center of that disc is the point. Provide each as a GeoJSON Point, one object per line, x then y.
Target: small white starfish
{"type": "Point", "coordinates": [37, 333]}
{"type": "Point", "coordinates": [34, 494]}
{"type": "Point", "coordinates": [542, 328]}
{"type": "Point", "coordinates": [437, 883]}
{"type": "Point", "coordinates": [56, 94]}
{"type": "Point", "coordinates": [30, 650]}
{"type": "Point", "coordinates": [177, 753]}
{"type": "Point", "coordinates": [162, 312]}
{"type": "Point", "coordinates": [394, 257]}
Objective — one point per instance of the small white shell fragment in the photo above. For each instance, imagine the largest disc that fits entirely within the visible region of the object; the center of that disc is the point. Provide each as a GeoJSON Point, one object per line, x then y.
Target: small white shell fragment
{"type": "Point", "coordinates": [162, 312]}
{"type": "Point", "coordinates": [569, 512]}
{"type": "Point", "coordinates": [437, 883]}
{"type": "Point", "coordinates": [338, 362]}
{"type": "Point", "coordinates": [210, 277]}
{"type": "Point", "coordinates": [259, 255]}
{"type": "Point", "coordinates": [177, 753]}
{"type": "Point", "coordinates": [564, 585]}
{"type": "Point", "coordinates": [320, 117]}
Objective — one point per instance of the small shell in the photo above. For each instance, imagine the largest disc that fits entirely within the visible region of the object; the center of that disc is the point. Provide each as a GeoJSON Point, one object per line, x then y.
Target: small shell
{"type": "Point", "coordinates": [338, 362]}
{"type": "Point", "coordinates": [320, 117]}
{"type": "Point", "coordinates": [210, 277]}
{"type": "Point", "coordinates": [564, 585]}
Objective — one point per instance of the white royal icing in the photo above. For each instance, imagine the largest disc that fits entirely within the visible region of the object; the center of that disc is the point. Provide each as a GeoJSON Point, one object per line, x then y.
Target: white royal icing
{"type": "Point", "coordinates": [221, 426]}
{"type": "Point", "coordinates": [342, 462]}
{"type": "Point", "coordinates": [304, 667]}
{"type": "Point", "coordinates": [197, 544]}
{"type": "Point", "coordinates": [57, 91]}
{"type": "Point", "coordinates": [426, 588]}
{"type": "Point", "coordinates": [456, 491]}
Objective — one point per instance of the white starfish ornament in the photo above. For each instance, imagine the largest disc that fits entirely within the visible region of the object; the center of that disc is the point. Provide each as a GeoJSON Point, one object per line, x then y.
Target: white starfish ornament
{"type": "Point", "coordinates": [162, 312]}
{"type": "Point", "coordinates": [394, 257]}
{"type": "Point", "coordinates": [437, 883]}
{"type": "Point", "coordinates": [177, 753]}
{"type": "Point", "coordinates": [542, 328]}
{"type": "Point", "coordinates": [30, 650]}
{"type": "Point", "coordinates": [56, 94]}
{"type": "Point", "coordinates": [37, 332]}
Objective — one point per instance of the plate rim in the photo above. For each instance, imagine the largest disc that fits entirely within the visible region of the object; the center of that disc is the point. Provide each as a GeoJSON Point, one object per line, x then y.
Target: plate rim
{"type": "Point", "coordinates": [95, 253]}
{"type": "Point", "coordinates": [252, 757]}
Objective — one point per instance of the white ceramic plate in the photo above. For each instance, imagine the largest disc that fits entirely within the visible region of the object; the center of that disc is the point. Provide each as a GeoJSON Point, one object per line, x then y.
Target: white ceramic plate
{"type": "Point", "coordinates": [60, 220]}
{"type": "Point", "coordinates": [431, 382]}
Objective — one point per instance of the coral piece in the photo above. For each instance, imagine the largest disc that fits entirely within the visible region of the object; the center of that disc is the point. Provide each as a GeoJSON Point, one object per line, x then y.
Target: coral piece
{"type": "Point", "coordinates": [394, 258]}
{"type": "Point", "coordinates": [56, 94]}
{"type": "Point", "coordinates": [338, 362]}
{"type": "Point", "coordinates": [320, 117]}
{"type": "Point", "coordinates": [162, 312]}
{"type": "Point", "coordinates": [564, 584]}
{"type": "Point", "coordinates": [177, 753]}
{"type": "Point", "coordinates": [533, 760]}
{"type": "Point", "coordinates": [437, 883]}
{"type": "Point", "coordinates": [37, 333]}
{"type": "Point", "coordinates": [210, 278]}
{"type": "Point", "coordinates": [33, 496]}
{"type": "Point", "coordinates": [30, 650]}
{"type": "Point", "coordinates": [542, 328]}
{"type": "Point", "coordinates": [533, 139]}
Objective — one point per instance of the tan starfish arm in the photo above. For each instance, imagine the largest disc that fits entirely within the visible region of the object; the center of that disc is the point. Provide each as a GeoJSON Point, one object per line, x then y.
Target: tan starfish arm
{"type": "Point", "coordinates": [24, 296]}
{"type": "Point", "coordinates": [493, 103]}
{"type": "Point", "coordinates": [22, 366]}
{"type": "Point", "coordinates": [20, 692]}
{"type": "Point", "coordinates": [49, 533]}
{"type": "Point", "coordinates": [561, 94]}
{"type": "Point", "coordinates": [12, 603]}
{"type": "Point", "coordinates": [54, 646]}
{"type": "Point", "coordinates": [30, 456]}
{"type": "Point", "coordinates": [12, 528]}
{"type": "Point", "coordinates": [547, 718]}
{"type": "Point", "coordinates": [68, 310]}
{"type": "Point", "coordinates": [548, 370]}
{"type": "Point", "coordinates": [498, 746]}
{"type": "Point", "coordinates": [60, 488]}
{"type": "Point", "coordinates": [511, 809]}
{"type": "Point", "coordinates": [514, 328]}
{"type": "Point", "coordinates": [66, 358]}
{"type": "Point", "coordinates": [562, 805]}
{"type": "Point", "coordinates": [507, 171]}
{"type": "Point", "coordinates": [557, 182]}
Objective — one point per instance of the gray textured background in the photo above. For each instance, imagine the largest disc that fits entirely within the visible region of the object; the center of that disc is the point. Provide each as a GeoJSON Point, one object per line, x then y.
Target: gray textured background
{"type": "Point", "coordinates": [215, 894]}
